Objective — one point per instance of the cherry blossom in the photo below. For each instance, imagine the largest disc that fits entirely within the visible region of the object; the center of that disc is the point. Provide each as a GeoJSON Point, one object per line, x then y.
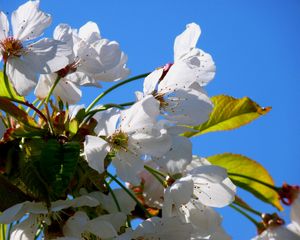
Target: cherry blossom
{"type": "Point", "coordinates": [24, 58]}
{"type": "Point", "coordinates": [136, 134]}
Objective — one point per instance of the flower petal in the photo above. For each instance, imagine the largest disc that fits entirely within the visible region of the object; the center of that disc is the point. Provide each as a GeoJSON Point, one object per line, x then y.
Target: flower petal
{"type": "Point", "coordinates": [4, 26]}
{"type": "Point", "coordinates": [28, 22]}
{"type": "Point", "coordinates": [151, 81]}
{"type": "Point", "coordinates": [187, 40]}
{"type": "Point", "coordinates": [140, 115]}
{"type": "Point", "coordinates": [127, 166]}
{"type": "Point", "coordinates": [95, 151]}
{"type": "Point", "coordinates": [176, 159]}
{"type": "Point", "coordinates": [107, 121]}
{"type": "Point", "coordinates": [47, 56]}
{"type": "Point", "coordinates": [67, 91]}
{"type": "Point", "coordinates": [27, 229]}
{"type": "Point", "coordinates": [44, 85]}
{"type": "Point", "coordinates": [89, 32]}
{"type": "Point", "coordinates": [75, 225]}
{"type": "Point", "coordinates": [13, 213]}
{"type": "Point", "coordinates": [22, 78]}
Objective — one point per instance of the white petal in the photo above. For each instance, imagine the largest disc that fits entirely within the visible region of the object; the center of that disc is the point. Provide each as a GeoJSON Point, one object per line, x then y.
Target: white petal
{"type": "Point", "coordinates": [197, 162]}
{"type": "Point", "coordinates": [63, 32]}
{"type": "Point", "coordinates": [95, 151]}
{"type": "Point", "coordinates": [178, 157]}
{"type": "Point", "coordinates": [182, 190]}
{"type": "Point", "coordinates": [152, 141]}
{"type": "Point", "coordinates": [151, 81]}
{"type": "Point", "coordinates": [202, 65]}
{"type": "Point", "coordinates": [28, 22]}
{"type": "Point", "coordinates": [82, 79]}
{"type": "Point", "coordinates": [127, 166]}
{"type": "Point", "coordinates": [4, 26]}
{"type": "Point", "coordinates": [117, 73]}
{"type": "Point", "coordinates": [100, 228]}
{"type": "Point", "coordinates": [140, 115]}
{"type": "Point", "coordinates": [67, 91]}
{"type": "Point", "coordinates": [117, 220]}
{"type": "Point", "coordinates": [13, 213]}
{"type": "Point", "coordinates": [89, 32]}
{"type": "Point", "coordinates": [107, 121]}
{"type": "Point", "coordinates": [109, 53]}
{"type": "Point", "coordinates": [27, 229]}
{"type": "Point", "coordinates": [212, 187]}
{"type": "Point", "coordinates": [74, 109]}
{"type": "Point", "coordinates": [204, 219]}
{"type": "Point", "coordinates": [186, 40]}
{"type": "Point", "coordinates": [188, 107]}
{"type": "Point", "coordinates": [277, 233]}
{"type": "Point", "coordinates": [89, 59]}
{"type": "Point", "coordinates": [295, 211]}
{"type": "Point", "coordinates": [2, 129]}
{"type": "Point", "coordinates": [44, 85]}
{"type": "Point", "coordinates": [75, 225]}
{"type": "Point", "coordinates": [47, 56]}
{"type": "Point", "coordinates": [22, 78]}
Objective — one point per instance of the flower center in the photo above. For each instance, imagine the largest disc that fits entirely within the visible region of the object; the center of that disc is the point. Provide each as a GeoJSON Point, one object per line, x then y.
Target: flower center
{"type": "Point", "coordinates": [160, 97]}
{"type": "Point", "coordinates": [68, 69]}
{"type": "Point", "coordinates": [118, 140]}
{"type": "Point", "coordinates": [11, 47]}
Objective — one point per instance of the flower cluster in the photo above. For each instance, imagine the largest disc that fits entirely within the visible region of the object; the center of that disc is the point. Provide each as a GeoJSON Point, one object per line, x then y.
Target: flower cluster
{"type": "Point", "coordinates": [58, 164]}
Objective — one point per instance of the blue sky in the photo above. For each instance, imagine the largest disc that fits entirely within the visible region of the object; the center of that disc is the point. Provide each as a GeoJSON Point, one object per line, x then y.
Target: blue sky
{"type": "Point", "coordinates": [256, 48]}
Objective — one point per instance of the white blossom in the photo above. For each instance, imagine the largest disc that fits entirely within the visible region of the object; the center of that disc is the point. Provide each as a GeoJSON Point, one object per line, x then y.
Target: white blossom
{"type": "Point", "coordinates": [93, 58]}
{"type": "Point", "coordinates": [136, 134]}
{"type": "Point", "coordinates": [24, 58]}
{"type": "Point", "coordinates": [39, 213]}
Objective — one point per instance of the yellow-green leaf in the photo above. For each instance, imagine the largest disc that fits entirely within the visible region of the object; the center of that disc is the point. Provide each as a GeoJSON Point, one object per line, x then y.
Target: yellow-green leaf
{"type": "Point", "coordinates": [249, 175]}
{"type": "Point", "coordinates": [229, 113]}
{"type": "Point", "coordinates": [7, 90]}
{"type": "Point", "coordinates": [3, 228]}
{"type": "Point", "coordinates": [19, 114]}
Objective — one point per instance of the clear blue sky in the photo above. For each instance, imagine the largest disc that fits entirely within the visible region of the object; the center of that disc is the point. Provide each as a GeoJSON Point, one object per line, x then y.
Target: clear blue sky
{"type": "Point", "coordinates": [256, 47]}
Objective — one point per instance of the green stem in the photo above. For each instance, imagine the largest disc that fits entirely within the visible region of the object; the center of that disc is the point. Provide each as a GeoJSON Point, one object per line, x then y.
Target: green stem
{"type": "Point", "coordinates": [245, 215]}
{"type": "Point", "coordinates": [164, 175]}
{"type": "Point", "coordinates": [30, 106]}
{"type": "Point", "coordinates": [51, 128]}
{"type": "Point", "coordinates": [114, 87]}
{"type": "Point", "coordinates": [276, 189]}
{"type": "Point", "coordinates": [154, 174]}
{"type": "Point", "coordinates": [113, 195]}
{"type": "Point", "coordinates": [51, 90]}
{"type": "Point", "coordinates": [130, 194]}
{"type": "Point", "coordinates": [9, 230]}
{"type": "Point", "coordinates": [6, 81]}
{"type": "Point", "coordinates": [38, 107]}
{"type": "Point", "coordinates": [33, 103]}
{"type": "Point", "coordinates": [3, 233]}
{"type": "Point", "coordinates": [91, 113]}
{"type": "Point", "coordinates": [248, 208]}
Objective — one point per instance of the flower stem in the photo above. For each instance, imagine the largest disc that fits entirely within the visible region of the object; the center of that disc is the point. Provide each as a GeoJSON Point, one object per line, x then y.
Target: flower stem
{"type": "Point", "coordinates": [112, 88]}
{"type": "Point", "coordinates": [6, 81]}
{"type": "Point", "coordinates": [276, 189]}
{"type": "Point", "coordinates": [245, 215]}
{"type": "Point", "coordinates": [51, 90]}
{"type": "Point", "coordinates": [130, 194]}
{"type": "Point", "coordinates": [248, 208]}
{"type": "Point", "coordinates": [33, 103]}
{"type": "Point", "coordinates": [154, 173]}
{"type": "Point", "coordinates": [113, 195]}
{"type": "Point", "coordinates": [3, 231]}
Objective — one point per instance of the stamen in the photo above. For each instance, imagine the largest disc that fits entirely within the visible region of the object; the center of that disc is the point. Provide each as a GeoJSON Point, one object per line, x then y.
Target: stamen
{"type": "Point", "coordinates": [11, 47]}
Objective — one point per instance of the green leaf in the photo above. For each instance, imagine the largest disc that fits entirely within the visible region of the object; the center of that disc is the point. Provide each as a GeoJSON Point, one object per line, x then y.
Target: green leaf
{"type": "Point", "coordinates": [51, 166]}
{"type": "Point", "coordinates": [19, 114]}
{"type": "Point", "coordinates": [229, 113]}
{"type": "Point", "coordinates": [249, 175]}
{"type": "Point", "coordinates": [7, 90]}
